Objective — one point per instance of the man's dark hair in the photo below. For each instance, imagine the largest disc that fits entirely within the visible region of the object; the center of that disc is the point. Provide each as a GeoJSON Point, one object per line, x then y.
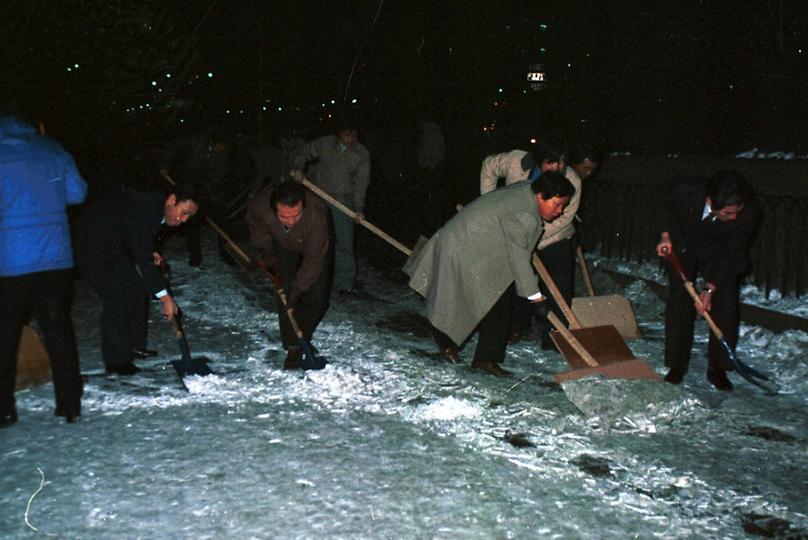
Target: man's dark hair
{"type": "Point", "coordinates": [345, 122]}
{"type": "Point", "coordinates": [186, 191]}
{"type": "Point", "coordinates": [552, 148]}
{"type": "Point", "coordinates": [728, 188]}
{"type": "Point", "coordinates": [552, 184]}
{"type": "Point", "coordinates": [583, 151]}
{"type": "Point", "coordinates": [288, 193]}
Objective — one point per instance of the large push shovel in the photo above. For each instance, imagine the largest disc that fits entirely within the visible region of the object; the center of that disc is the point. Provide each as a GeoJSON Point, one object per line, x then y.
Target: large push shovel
{"type": "Point", "coordinates": [310, 360]}
{"type": "Point", "coordinates": [610, 309]}
{"type": "Point", "coordinates": [597, 350]}
{"type": "Point", "coordinates": [750, 374]}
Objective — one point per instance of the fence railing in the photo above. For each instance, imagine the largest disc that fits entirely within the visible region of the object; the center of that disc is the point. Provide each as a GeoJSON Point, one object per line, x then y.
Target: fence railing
{"type": "Point", "coordinates": [622, 220]}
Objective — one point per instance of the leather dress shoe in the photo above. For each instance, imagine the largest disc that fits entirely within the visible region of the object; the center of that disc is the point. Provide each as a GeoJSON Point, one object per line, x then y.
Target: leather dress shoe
{"type": "Point", "coordinates": [123, 369]}
{"type": "Point", "coordinates": [70, 414]}
{"type": "Point", "coordinates": [718, 377]}
{"type": "Point", "coordinates": [7, 419]}
{"type": "Point", "coordinates": [143, 353]}
{"type": "Point", "coordinates": [491, 367]}
{"type": "Point", "coordinates": [675, 376]}
{"type": "Point", "coordinates": [293, 357]}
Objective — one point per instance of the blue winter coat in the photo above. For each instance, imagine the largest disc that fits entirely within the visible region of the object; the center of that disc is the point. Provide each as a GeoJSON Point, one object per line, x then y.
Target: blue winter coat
{"type": "Point", "coordinates": [38, 179]}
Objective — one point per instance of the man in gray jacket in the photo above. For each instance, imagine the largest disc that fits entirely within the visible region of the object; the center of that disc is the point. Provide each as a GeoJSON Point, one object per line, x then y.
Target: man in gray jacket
{"type": "Point", "coordinates": [343, 171]}
{"type": "Point", "coordinates": [471, 268]}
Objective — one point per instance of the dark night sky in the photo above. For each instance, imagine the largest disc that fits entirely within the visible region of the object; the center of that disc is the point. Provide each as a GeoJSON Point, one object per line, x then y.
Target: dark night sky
{"type": "Point", "coordinates": [638, 74]}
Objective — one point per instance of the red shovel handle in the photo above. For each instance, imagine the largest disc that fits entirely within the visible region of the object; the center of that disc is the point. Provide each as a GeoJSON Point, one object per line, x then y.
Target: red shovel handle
{"type": "Point", "coordinates": [670, 255]}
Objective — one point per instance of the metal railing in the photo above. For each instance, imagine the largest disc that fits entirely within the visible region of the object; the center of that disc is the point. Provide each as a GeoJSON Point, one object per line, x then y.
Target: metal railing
{"type": "Point", "coordinates": [622, 220]}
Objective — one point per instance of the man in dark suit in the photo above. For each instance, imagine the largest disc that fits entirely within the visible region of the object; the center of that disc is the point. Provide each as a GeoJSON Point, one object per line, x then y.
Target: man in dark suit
{"type": "Point", "coordinates": [116, 255]}
{"type": "Point", "coordinates": [710, 224]}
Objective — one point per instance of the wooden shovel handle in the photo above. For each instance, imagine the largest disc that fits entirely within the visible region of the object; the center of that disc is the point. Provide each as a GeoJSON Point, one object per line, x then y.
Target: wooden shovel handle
{"type": "Point", "coordinates": [677, 266]}
{"type": "Point", "coordinates": [572, 340]}
{"type": "Point", "coordinates": [545, 277]}
{"type": "Point", "coordinates": [175, 324]}
{"type": "Point", "coordinates": [351, 214]}
{"type": "Point", "coordinates": [585, 271]}
{"type": "Point", "coordinates": [276, 281]}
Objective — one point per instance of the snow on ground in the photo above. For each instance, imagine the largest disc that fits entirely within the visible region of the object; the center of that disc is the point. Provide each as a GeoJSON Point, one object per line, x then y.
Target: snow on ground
{"type": "Point", "coordinates": [388, 441]}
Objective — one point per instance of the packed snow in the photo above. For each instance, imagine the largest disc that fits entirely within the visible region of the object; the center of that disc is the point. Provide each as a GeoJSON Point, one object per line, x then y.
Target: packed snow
{"type": "Point", "coordinates": [389, 441]}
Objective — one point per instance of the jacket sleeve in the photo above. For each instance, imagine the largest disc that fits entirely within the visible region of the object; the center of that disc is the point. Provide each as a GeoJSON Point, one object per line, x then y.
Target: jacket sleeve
{"type": "Point", "coordinates": [361, 181]}
{"type": "Point", "coordinates": [732, 256]}
{"type": "Point", "coordinates": [519, 232]}
{"type": "Point", "coordinates": [315, 251]}
{"type": "Point", "coordinates": [490, 172]}
{"type": "Point", "coordinates": [260, 234]}
{"type": "Point", "coordinates": [310, 151]}
{"type": "Point", "coordinates": [76, 187]}
{"type": "Point", "coordinates": [142, 248]}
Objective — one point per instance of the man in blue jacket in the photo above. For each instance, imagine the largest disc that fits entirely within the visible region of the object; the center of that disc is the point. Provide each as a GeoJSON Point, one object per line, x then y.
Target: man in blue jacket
{"type": "Point", "coordinates": [38, 179]}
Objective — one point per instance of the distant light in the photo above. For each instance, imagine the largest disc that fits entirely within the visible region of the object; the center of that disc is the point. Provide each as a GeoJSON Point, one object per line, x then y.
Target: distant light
{"type": "Point", "coordinates": [168, 76]}
{"type": "Point", "coordinates": [500, 90]}
{"type": "Point", "coordinates": [280, 109]}
{"type": "Point", "coordinates": [543, 26]}
{"type": "Point", "coordinates": [542, 50]}
{"type": "Point", "coordinates": [76, 66]}
{"type": "Point", "coordinates": [241, 111]}
{"type": "Point", "coordinates": [154, 83]}
{"type": "Point", "coordinates": [69, 69]}
{"type": "Point", "coordinates": [333, 102]}
{"type": "Point", "coordinates": [210, 74]}
{"type": "Point", "coordinates": [227, 111]}
{"type": "Point", "coordinates": [264, 108]}
{"type": "Point", "coordinates": [182, 120]}
{"type": "Point", "coordinates": [323, 104]}
{"type": "Point", "coordinates": [353, 100]}
{"type": "Point", "coordinates": [569, 65]}
{"type": "Point", "coordinates": [533, 140]}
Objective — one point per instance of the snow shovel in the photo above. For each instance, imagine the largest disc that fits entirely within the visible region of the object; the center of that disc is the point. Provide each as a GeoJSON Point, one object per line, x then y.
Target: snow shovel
{"type": "Point", "coordinates": [187, 365]}
{"type": "Point", "coordinates": [750, 374]}
{"type": "Point", "coordinates": [310, 360]}
{"type": "Point", "coordinates": [611, 309]}
{"type": "Point", "coordinates": [597, 350]}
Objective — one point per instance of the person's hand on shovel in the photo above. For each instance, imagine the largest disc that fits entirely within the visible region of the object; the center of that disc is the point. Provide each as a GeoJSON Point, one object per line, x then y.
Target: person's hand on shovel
{"type": "Point", "coordinates": [664, 247]}
{"type": "Point", "coordinates": [705, 301]}
{"type": "Point", "coordinates": [170, 307]}
{"type": "Point", "coordinates": [705, 298]}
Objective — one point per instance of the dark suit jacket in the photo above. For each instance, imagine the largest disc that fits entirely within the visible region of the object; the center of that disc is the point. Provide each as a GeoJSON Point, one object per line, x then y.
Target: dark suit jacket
{"type": "Point", "coordinates": [719, 249]}
{"type": "Point", "coordinates": [121, 229]}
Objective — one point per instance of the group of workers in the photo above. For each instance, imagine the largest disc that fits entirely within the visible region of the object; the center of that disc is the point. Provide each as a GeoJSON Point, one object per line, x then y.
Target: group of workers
{"type": "Point", "coordinates": [475, 272]}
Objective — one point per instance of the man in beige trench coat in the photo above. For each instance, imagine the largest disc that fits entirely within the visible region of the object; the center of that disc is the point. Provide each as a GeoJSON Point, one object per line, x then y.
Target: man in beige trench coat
{"type": "Point", "coordinates": [471, 268]}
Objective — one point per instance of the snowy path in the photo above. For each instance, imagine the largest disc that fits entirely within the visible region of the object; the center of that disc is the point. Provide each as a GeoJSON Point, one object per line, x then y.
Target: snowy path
{"type": "Point", "coordinates": [388, 442]}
